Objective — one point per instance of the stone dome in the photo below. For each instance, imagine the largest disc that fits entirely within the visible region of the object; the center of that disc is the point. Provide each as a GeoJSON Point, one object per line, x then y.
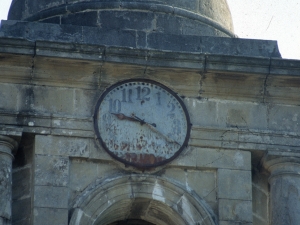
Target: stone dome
{"type": "Point", "coordinates": [182, 17]}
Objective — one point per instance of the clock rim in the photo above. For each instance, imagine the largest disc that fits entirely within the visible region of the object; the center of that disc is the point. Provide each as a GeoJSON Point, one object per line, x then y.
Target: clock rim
{"type": "Point", "coordinates": [138, 165]}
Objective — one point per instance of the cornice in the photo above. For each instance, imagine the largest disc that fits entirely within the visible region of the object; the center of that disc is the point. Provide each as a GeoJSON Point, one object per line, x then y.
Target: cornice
{"type": "Point", "coordinates": [201, 136]}
{"type": "Point", "coordinates": [256, 79]}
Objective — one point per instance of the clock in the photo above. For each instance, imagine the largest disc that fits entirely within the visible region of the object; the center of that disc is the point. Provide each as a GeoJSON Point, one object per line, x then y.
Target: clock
{"type": "Point", "coordinates": [141, 123]}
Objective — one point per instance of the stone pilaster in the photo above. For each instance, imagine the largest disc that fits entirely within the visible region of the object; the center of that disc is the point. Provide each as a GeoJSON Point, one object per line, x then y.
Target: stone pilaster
{"type": "Point", "coordinates": [284, 188]}
{"type": "Point", "coordinates": [7, 146]}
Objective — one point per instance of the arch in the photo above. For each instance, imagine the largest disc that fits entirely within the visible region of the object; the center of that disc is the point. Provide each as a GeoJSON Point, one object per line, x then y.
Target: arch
{"type": "Point", "coordinates": [150, 198]}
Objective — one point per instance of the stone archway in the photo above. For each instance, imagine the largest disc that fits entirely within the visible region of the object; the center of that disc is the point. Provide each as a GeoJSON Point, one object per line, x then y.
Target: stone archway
{"type": "Point", "coordinates": [140, 197]}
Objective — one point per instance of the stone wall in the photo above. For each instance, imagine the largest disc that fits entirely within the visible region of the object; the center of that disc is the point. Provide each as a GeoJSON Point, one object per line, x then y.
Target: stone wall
{"type": "Point", "coordinates": [241, 108]}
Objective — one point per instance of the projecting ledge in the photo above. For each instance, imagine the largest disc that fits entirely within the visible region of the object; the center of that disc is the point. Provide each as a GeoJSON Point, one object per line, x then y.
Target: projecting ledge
{"type": "Point", "coordinates": [150, 40]}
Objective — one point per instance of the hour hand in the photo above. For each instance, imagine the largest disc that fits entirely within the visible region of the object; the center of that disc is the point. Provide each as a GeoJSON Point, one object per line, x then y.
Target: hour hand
{"type": "Point", "coordinates": [142, 121]}
{"type": "Point", "coordinates": [121, 116]}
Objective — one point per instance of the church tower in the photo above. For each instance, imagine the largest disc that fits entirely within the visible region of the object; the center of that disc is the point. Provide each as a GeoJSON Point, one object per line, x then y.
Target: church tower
{"type": "Point", "coordinates": [126, 112]}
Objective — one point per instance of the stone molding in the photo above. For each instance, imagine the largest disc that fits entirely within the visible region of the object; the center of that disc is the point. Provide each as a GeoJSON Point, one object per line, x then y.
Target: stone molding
{"type": "Point", "coordinates": [282, 164]}
{"type": "Point", "coordinates": [136, 42]}
{"type": "Point", "coordinates": [10, 144]}
{"type": "Point", "coordinates": [103, 198]}
{"type": "Point", "coordinates": [201, 136]}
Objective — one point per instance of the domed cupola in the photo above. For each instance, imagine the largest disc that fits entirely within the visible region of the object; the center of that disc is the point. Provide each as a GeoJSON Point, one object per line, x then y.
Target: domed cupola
{"type": "Point", "coordinates": [180, 17]}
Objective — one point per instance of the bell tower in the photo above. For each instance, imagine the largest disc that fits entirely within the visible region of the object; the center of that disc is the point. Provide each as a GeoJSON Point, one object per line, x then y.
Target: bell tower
{"type": "Point", "coordinates": [149, 112]}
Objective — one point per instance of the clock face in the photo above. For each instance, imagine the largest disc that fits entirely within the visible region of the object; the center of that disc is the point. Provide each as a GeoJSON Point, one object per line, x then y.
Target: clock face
{"type": "Point", "coordinates": [141, 123]}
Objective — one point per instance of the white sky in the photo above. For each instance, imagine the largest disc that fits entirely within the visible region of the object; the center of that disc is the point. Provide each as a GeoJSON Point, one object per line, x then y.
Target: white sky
{"type": "Point", "coordinates": [259, 19]}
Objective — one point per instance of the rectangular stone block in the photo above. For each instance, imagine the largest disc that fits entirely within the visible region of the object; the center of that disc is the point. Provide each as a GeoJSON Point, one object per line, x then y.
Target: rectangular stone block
{"type": "Point", "coordinates": [34, 7]}
{"type": "Point", "coordinates": [168, 41]}
{"type": "Point", "coordinates": [21, 210]}
{"type": "Point", "coordinates": [51, 197]}
{"type": "Point", "coordinates": [225, 86]}
{"type": "Point", "coordinates": [98, 152]}
{"type": "Point", "coordinates": [50, 216]}
{"type": "Point", "coordinates": [72, 125]}
{"type": "Point", "coordinates": [284, 118]}
{"type": "Point", "coordinates": [140, 39]}
{"type": "Point", "coordinates": [259, 221]}
{"type": "Point", "coordinates": [227, 114]}
{"type": "Point", "coordinates": [237, 63]}
{"type": "Point", "coordinates": [79, 73]}
{"type": "Point", "coordinates": [126, 20]}
{"type": "Point", "coordinates": [21, 183]}
{"type": "Point", "coordinates": [9, 92]}
{"type": "Point", "coordinates": [212, 158]}
{"type": "Point", "coordinates": [109, 37]}
{"type": "Point", "coordinates": [85, 101]}
{"type": "Point", "coordinates": [51, 170]}
{"type": "Point", "coordinates": [86, 19]}
{"type": "Point", "coordinates": [235, 210]}
{"type": "Point", "coordinates": [84, 172]}
{"type": "Point", "coordinates": [52, 100]}
{"type": "Point", "coordinates": [167, 22]}
{"type": "Point", "coordinates": [23, 222]}
{"type": "Point", "coordinates": [234, 184]}
{"type": "Point", "coordinates": [62, 146]}
{"type": "Point", "coordinates": [203, 182]}
{"type": "Point", "coordinates": [15, 67]}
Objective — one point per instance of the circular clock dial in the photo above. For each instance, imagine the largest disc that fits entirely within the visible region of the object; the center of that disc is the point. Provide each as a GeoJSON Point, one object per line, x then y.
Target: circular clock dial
{"type": "Point", "coordinates": [141, 123]}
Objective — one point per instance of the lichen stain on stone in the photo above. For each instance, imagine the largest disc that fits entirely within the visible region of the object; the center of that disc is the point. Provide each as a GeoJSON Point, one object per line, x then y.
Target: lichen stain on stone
{"type": "Point", "coordinates": [157, 192]}
{"type": "Point", "coordinates": [79, 215]}
{"type": "Point", "coordinates": [184, 207]}
{"type": "Point", "coordinates": [295, 117]}
{"type": "Point", "coordinates": [5, 189]}
{"type": "Point", "coordinates": [61, 164]}
{"type": "Point", "coordinates": [238, 159]}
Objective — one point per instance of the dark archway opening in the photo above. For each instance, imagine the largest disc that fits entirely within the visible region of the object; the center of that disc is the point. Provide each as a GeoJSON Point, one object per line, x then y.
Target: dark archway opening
{"type": "Point", "coordinates": [132, 222]}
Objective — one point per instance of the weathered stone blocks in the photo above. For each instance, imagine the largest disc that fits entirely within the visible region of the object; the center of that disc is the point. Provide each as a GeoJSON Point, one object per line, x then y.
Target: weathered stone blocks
{"type": "Point", "coordinates": [62, 146]}
{"type": "Point", "coordinates": [51, 197]}
{"type": "Point", "coordinates": [50, 216]}
{"type": "Point", "coordinates": [235, 210]}
{"type": "Point", "coordinates": [51, 170]}
{"type": "Point", "coordinates": [234, 184]}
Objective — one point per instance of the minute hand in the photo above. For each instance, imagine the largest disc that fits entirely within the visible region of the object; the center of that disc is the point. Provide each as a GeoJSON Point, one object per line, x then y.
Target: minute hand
{"type": "Point", "coordinates": [160, 133]}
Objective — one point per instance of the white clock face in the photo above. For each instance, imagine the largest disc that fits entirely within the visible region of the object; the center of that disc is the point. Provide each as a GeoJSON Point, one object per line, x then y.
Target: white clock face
{"type": "Point", "coordinates": [142, 123]}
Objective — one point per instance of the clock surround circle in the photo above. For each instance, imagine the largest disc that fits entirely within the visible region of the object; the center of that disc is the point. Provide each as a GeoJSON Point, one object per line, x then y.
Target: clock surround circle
{"type": "Point", "coordinates": [142, 123]}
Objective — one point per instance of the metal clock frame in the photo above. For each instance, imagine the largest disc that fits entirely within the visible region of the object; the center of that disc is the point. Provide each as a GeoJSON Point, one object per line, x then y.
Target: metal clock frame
{"type": "Point", "coordinates": [136, 165]}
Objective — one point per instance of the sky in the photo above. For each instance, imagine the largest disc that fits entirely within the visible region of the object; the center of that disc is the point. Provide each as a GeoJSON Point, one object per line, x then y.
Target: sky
{"type": "Point", "coordinates": [255, 19]}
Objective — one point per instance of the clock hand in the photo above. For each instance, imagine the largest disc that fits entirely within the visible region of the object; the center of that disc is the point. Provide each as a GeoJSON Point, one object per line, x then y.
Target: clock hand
{"type": "Point", "coordinates": [121, 116]}
{"type": "Point", "coordinates": [152, 126]}
{"type": "Point", "coordinates": [142, 121]}
{"type": "Point", "coordinates": [166, 137]}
